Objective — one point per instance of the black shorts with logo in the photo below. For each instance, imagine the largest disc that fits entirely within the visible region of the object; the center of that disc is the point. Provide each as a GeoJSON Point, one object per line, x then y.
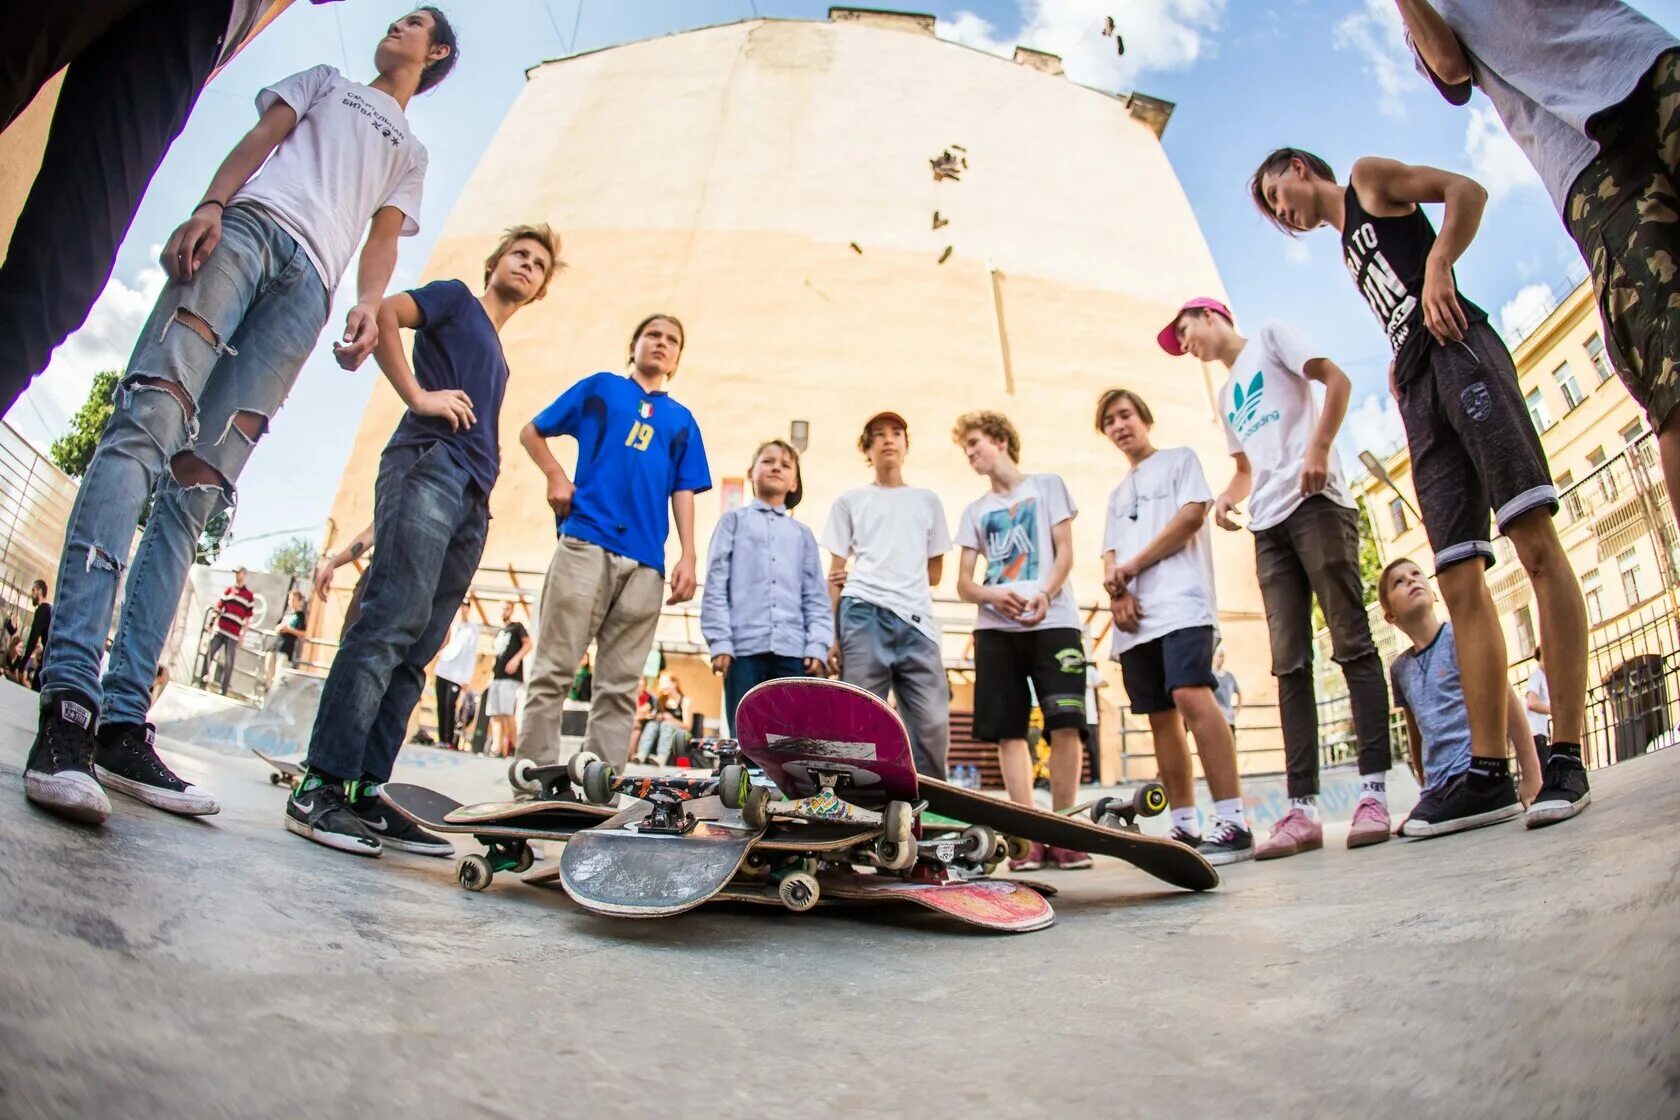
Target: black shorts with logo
{"type": "Point", "coordinates": [1472, 441]}
{"type": "Point", "coordinates": [1004, 660]}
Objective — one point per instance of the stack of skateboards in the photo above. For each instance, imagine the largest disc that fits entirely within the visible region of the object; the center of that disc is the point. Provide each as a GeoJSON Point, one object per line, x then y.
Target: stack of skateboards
{"type": "Point", "coordinates": [817, 802]}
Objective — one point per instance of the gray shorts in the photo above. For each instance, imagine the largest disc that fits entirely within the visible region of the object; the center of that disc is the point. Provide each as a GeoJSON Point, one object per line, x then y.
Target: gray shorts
{"type": "Point", "coordinates": [502, 699]}
{"type": "Point", "coordinates": [1473, 443]}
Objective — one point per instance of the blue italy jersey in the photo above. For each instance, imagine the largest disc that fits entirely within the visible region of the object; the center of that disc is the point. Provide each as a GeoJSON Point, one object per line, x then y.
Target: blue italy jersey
{"type": "Point", "coordinates": [635, 449]}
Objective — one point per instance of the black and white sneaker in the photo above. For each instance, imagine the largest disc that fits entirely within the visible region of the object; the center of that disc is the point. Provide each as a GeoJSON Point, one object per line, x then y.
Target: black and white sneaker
{"type": "Point", "coordinates": [1189, 839]}
{"type": "Point", "coordinates": [392, 828]}
{"type": "Point", "coordinates": [1460, 804]}
{"type": "Point", "coordinates": [318, 810]}
{"type": "Point", "coordinates": [1227, 842]}
{"type": "Point", "coordinates": [59, 773]}
{"type": "Point", "coordinates": [127, 761]}
{"type": "Point", "coordinates": [1563, 792]}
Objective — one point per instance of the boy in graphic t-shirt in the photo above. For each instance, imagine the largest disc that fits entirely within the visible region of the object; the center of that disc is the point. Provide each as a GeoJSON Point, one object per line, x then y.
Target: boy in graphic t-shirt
{"type": "Point", "coordinates": [431, 511]}
{"type": "Point", "coordinates": [251, 277]}
{"type": "Point", "coordinates": [1306, 544]}
{"type": "Point", "coordinates": [1472, 444]}
{"type": "Point", "coordinates": [1027, 635]}
{"type": "Point", "coordinates": [897, 538]}
{"type": "Point", "coordinates": [1158, 571]}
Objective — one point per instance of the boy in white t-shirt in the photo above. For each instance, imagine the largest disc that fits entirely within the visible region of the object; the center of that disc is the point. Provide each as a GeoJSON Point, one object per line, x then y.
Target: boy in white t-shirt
{"type": "Point", "coordinates": [887, 638]}
{"type": "Point", "coordinates": [456, 665]}
{"type": "Point", "coordinates": [1306, 544]}
{"type": "Point", "coordinates": [1158, 571]}
{"type": "Point", "coordinates": [1537, 705]}
{"type": "Point", "coordinates": [1027, 635]}
{"type": "Point", "coordinates": [251, 277]}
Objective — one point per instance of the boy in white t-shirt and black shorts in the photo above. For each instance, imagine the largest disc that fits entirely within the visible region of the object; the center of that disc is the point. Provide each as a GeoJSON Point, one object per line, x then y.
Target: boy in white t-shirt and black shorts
{"type": "Point", "coordinates": [886, 635]}
{"type": "Point", "coordinates": [1158, 561]}
{"type": "Point", "coordinates": [1306, 544]}
{"type": "Point", "coordinates": [1027, 636]}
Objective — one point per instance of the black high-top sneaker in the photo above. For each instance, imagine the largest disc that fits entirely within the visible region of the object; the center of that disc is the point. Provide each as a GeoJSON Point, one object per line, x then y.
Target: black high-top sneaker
{"type": "Point", "coordinates": [1461, 803]}
{"type": "Point", "coordinates": [127, 761]}
{"type": "Point", "coordinates": [59, 773]}
{"type": "Point", "coordinates": [318, 810]}
{"type": "Point", "coordinates": [1563, 791]}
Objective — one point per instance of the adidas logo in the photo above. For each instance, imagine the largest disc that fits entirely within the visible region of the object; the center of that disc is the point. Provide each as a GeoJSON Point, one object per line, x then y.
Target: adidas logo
{"type": "Point", "coordinates": [1245, 405]}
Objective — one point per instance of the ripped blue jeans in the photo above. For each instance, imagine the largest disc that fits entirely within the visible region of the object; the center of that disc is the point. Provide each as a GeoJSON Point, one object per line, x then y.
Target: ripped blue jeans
{"type": "Point", "coordinates": [264, 305]}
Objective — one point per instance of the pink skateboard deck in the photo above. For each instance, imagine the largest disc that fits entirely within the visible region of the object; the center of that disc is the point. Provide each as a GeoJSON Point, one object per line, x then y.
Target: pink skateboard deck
{"type": "Point", "coordinates": [805, 731]}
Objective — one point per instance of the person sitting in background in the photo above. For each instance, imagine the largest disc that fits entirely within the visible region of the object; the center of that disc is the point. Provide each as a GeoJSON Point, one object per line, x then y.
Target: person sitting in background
{"type": "Point", "coordinates": [666, 732]}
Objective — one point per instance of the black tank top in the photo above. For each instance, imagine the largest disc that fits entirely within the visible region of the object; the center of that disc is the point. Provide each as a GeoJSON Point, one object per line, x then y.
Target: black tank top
{"type": "Point", "coordinates": [1386, 258]}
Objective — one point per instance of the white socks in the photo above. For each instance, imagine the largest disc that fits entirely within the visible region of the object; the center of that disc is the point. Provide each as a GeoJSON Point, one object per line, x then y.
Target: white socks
{"type": "Point", "coordinates": [1231, 810]}
{"type": "Point", "coordinates": [1187, 820]}
{"type": "Point", "coordinates": [1307, 805]}
{"type": "Point", "coordinates": [1374, 786]}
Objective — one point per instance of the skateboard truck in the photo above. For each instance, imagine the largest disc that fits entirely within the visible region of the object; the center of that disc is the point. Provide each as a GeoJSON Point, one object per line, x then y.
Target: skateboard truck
{"type": "Point", "coordinates": [1149, 800]}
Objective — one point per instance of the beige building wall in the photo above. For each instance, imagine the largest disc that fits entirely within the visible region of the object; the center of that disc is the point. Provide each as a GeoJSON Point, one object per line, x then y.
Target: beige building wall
{"type": "Point", "coordinates": [769, 183]}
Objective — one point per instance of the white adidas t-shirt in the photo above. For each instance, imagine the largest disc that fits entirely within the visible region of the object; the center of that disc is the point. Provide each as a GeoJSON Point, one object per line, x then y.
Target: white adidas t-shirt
{"type": "Point", "coordinates": [1270, 415]}
{"type": "Point", "coordinates": [1012, 531]}
{"type": "Point", "coordinates": [350, 155]}
{"type": "Point", "coordinates": [1178, 592]}
{"type": "Point", "coordinates": [891, 532]}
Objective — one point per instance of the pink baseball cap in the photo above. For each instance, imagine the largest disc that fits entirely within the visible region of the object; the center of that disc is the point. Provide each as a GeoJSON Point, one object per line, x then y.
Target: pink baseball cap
{"type": "Point", "coordinates": [1168, 338]}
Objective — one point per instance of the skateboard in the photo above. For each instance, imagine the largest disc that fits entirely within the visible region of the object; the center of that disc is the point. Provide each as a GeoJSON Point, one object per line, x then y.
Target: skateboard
{"type": "Point", "coordinates": [1165, 859]}
{"type": "Point", "coordinates": [655, 859]}
{"type": "Point", "coordinates": [284, 770]}
{"type": "Point", "coordinates": [505, 828]}
{"type": "Point", "coordinates": [817, 738]}
{"type": "Point", "coordinates": [1004, 905]}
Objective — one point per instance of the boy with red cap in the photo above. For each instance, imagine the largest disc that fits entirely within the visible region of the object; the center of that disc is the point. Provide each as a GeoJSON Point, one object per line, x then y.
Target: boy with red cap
{"type": "Point", "coordinates": [1306, 543]}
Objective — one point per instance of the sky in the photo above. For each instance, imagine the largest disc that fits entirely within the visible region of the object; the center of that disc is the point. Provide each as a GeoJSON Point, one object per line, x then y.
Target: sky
{"type": "Point", "coordinates": [1246, 76]}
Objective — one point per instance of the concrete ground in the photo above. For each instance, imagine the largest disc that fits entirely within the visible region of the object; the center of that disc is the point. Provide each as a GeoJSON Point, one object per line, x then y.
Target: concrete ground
{"type": "Point", "coordinates": [166, 967]}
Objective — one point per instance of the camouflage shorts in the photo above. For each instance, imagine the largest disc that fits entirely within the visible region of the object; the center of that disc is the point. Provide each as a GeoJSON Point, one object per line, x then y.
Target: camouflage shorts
{"type": "Point", "coordinates": [1624, 213]}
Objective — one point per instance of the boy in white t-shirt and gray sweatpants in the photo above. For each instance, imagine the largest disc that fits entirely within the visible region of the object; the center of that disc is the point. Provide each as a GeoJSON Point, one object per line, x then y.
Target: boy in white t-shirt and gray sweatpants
{"type": "Point", "coordinates": [1158, 571]}
{"type": "Point", "coordinates": [887, 638]}
{"type": "Point", "coordinates": [1027, 634]}
{"type": "Point", "coordinates": [1306, 543]}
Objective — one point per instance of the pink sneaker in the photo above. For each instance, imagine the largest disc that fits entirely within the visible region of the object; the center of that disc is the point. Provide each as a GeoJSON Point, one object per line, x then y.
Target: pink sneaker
{"type": "Point", "coordinates": [1032, 861]}
{"type": "Point", "coordinates": [1370, 824]}
{"type": "Point", "coordinates": [1291, 836]}
{"type": "Point", "coordinates": [1066, 859]}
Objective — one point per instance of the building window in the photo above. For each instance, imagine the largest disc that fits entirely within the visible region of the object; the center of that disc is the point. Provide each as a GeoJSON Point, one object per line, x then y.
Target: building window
{"type": "Point", "coordinates": [1591, 588]}
{"type": "Point", "coordinates": [1573, 510]}
{"type": "Point", "coordinates": [1537, 411]}
{"type": "Point", "coordinates": [1566, 382]}
{"type": "Point", "coordinates": [1397, 514]}
{"type": "Point", "coordinates": [734, 493]}
{"type": "Point", "coordinates": [1628, 563]}
{"type": "Point", "coordinates": [1633, 431]}
{"type": "Point", "coordinates": [1606, 476]}
{"type": "Point", "coordinates": [1600, 360]}
{"type": "Point", "coordinates": [1525, 632]}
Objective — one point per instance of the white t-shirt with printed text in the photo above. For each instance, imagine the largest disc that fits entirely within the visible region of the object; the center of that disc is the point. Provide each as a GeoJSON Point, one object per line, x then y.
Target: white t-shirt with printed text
{"type": "Point", "coordinates": [890, 532]}
{"type": "Point", "coordinates": [350, 155]}
{"type": "Point", "coordinates": [1269, 414]}
{"type": "Point", "coordinates": [1012, 532]}
{"type": "Point", "coordinates": [1178, 592]}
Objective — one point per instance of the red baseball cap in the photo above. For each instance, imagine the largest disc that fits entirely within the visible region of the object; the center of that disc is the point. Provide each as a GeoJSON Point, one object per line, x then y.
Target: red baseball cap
{"type": "Point", "coordinates": [1168, 338]}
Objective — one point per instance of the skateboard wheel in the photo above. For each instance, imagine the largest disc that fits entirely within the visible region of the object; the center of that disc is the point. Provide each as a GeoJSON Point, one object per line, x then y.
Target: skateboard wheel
{"type": "Point", "coordinates": [898, 822]}
{"type": "Point", "coordinates": [895, 856]}
{"type": "Point", "coordinates": [1016, 847]}
{"type": "Point", "coordinates": [274, 778]}
{"type": "Point", "coordinates": [519, 775]}
{"type": "Point", "coordinates": [733, 786]}
{"type": "Point", "coordinates": [756, 812]}
{"type": "Point", "coordinates": [473, 872]}
{"type": "Point", "coordinates": [524, 861]}
{"type": "Point", "coordinates": [597, 781]}
{"type": "Point", "coordinates": [1151, 800]}
{"type": "Point", "coordinates": [980, 843]}
{"type": "Point", "coordinates": [798, 891]}
{"type": "Point", "coordinates": [578, 764]}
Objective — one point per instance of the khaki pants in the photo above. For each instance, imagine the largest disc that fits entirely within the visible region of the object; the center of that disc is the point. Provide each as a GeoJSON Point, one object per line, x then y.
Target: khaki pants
{"type": "Point", "coordinates": [590, 593]}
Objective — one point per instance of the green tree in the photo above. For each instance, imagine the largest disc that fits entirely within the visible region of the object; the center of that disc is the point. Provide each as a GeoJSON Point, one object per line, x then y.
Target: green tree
{"type": "Point", "coordinates": [295, 558]}
{"type": "Point", "coordinates": [73, 451]}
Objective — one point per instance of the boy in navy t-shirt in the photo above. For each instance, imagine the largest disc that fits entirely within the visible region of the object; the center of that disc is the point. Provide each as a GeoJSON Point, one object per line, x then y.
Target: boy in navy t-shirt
{"type": "Point", "coordinates": [637, 451]}
{"type": "Point", "coordinates": [431, 513]}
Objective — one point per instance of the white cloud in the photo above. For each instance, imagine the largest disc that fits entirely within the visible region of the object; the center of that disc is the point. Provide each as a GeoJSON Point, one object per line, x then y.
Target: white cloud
{"type": "Point", "coordinates": [1375, 32]}
{"type": "Point", "coordinates": [1297, 251]}
{"type": "Point", "coordinates": [1159, 35]}
{"type": "Point", "coordinates": [104, 341]}
{"type": "Point", "coordinates": [1523, 312]}
{"type": "Point", "coordinates": [1375, 426]}
{"type": "Point", "coordinates": [1495, 160]}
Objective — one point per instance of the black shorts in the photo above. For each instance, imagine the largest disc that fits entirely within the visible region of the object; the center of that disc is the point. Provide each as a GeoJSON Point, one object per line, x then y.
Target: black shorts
{"type": "Point", "coordinates": [1472, 441]}
{"type": "Point", "coordinates": [1181, 659]}
{"type": "Point", "coordinates": [1004, 660]}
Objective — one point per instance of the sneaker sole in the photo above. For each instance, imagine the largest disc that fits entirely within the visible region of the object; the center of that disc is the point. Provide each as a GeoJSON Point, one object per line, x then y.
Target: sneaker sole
{"type": "Point", "coordinates": [335, 840]}
{"type": "Point", "coordinates": [1027, 867]}
{"type": "Point", "coordinates": [1365, 840]}
{"type": "Point", "coordinates": [444, 852]}
{"type": "Point", "coordinates": [1284, 853]}
{"type": "Point", "coordinates": [74, 795]}
{"type": "Point", "coordinates": [1078, 865]}
{"type": "Point", "coordinates": [184, 803]}
{"type": "Point", "coordinates": [1419, 830]}
{"type": "Point", "coordinates": [1543, 813]}
{"type": "Point", "coordinates": [1220, 859]}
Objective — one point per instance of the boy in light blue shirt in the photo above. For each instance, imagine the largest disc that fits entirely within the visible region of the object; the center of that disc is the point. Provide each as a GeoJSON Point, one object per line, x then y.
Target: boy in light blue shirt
{"type": "Point", "coordinates": [764, 610]}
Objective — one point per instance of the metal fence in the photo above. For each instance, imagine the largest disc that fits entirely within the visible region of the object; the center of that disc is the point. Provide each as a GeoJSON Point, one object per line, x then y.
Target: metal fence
{"type": "Point", "coordinates": [35, 501]}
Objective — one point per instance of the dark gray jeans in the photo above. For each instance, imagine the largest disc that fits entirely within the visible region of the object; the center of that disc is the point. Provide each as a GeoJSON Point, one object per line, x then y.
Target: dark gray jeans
{"type": "Point", "coordinates": [1315, 551]}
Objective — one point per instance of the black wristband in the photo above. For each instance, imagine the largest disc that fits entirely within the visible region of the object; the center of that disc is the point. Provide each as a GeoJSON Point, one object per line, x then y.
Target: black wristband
{"type": "Point", "coordinates": [216, 202]}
